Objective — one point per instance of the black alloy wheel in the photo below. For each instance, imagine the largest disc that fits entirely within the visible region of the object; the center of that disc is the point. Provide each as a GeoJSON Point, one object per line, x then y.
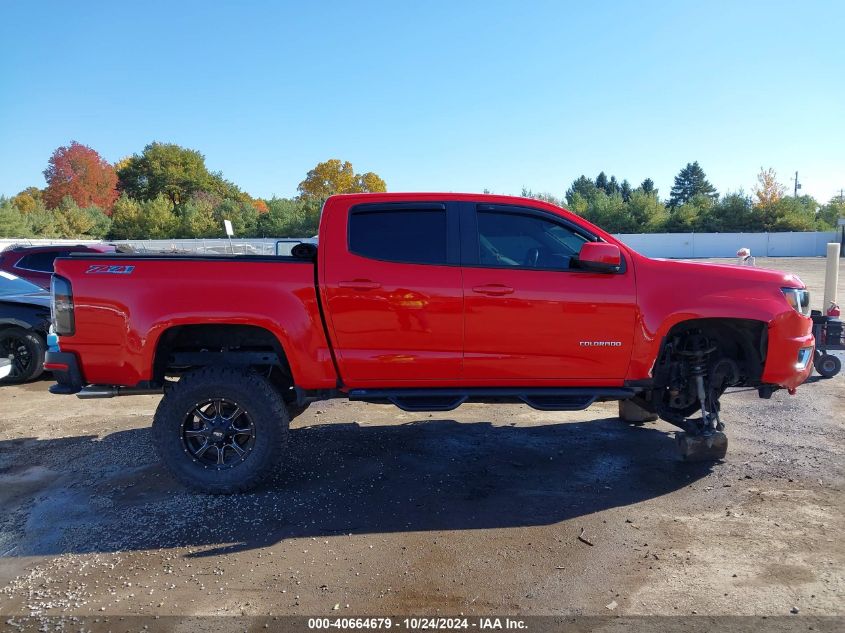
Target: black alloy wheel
{"type": "Point", "coordinates": [25, 350]}
{"type": "Point", "coordinates": [218, 434]}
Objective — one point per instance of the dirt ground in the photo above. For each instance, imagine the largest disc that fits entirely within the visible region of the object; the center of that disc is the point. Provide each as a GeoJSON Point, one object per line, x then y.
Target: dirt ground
{"type": "Point", "coordinates": [475, 511]}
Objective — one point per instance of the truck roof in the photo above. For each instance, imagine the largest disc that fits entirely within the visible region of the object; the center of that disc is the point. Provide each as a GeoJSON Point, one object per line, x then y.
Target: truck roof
{"type": "Point", "coordinates": [435, 195]}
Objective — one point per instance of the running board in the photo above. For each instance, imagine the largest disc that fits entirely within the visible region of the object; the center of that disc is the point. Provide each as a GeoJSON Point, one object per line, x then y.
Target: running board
{"type": "Point", "coordinates": [110, 391]}
{"type": "Point", "coordinates": [542, 398]}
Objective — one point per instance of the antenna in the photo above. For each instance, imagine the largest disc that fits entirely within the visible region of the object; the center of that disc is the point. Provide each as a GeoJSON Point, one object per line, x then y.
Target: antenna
{"type": "Point", "coordinates": [797, 184]}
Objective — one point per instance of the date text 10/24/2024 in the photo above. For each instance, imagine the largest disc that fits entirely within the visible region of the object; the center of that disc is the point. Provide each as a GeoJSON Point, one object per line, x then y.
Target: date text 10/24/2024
{"type": "Point", "coordinates": [418, 623]}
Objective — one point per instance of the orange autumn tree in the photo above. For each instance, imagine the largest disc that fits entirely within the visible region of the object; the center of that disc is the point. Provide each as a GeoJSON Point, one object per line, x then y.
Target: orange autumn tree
{"type": "Point", "coordinates": [768, 189]}
{"type": "Point", "coordinates": [81, 173]}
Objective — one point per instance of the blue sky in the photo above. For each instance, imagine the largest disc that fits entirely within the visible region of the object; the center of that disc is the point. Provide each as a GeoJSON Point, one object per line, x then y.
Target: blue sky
{"type": "Point", "coordinates": [452, 96]}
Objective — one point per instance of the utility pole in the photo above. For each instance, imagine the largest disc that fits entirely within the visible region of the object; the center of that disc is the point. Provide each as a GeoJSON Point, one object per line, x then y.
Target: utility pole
{"type": "Point", "coordinates": [797, 184]}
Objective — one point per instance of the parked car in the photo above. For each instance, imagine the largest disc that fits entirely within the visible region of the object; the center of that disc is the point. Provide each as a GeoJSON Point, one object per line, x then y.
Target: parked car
{"type": "Point", "coordinates": [35, 263]}
{"type": "Point", "coordinates": [24, 324]}
{"type": "Point", "coordinates": [425, 301]}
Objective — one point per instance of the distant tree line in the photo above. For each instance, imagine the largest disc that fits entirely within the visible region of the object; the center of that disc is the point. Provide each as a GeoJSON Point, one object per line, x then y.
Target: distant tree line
{"type": "Point", "coordinates": [694, 205]}
{"type": "Point", "coordinates": [167, 191]}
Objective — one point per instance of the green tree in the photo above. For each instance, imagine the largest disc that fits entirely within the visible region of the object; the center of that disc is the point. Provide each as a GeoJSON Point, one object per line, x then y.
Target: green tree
{"type": "Point", "coordinates": [788, 214]}
{"type": "Point", "coordinates": [583, 186]}
{"type": "Point", "coordinates": [196, 218]}
{"type": "Point", "coordinates": [126, 219]}
{"type": "Point", "coordinates": [158, 219]}
{"type": "Point", "coordinates": [732, 213]}
{"type": "Point", "coordinates": [830, 213]}
{"type": "Point", "coordinates": [613, 186]}
{"type": "Point", "coordinates": [601, 181]}
{"type": "Point", "coordinates": [144, 220]}
{"type": "Point", "coordinates": [625, 190]}
{"type": "Point", "coordinates": [647, 211]}
{"type": "Point", "coordinates": [579, 203]}
{"type": "Point", "coordinates": [242, 215]}
{"type": "Point", "coordinates": [611, 213]}
{"type": "Point", "coordinates": [73, 221]}
{"type": "Point", "coordinates": [170, 170]}
{"type": "Point", "coordinates": [647, 186]}
{"type": "Point", "coordinates": [101, 222]}
{"type": "Point", "coordinates": [691, 182]}
{"type": "Point", "coordinates": [290, 218]}
{"type": "Point", "coordinates": [335, 176]}
{"type": "Point", "coordinates": [42, 223]}
{"type": "Point", "coordinates": [686, 217]}
{"type": "Point", "coordinates": [12, 222]}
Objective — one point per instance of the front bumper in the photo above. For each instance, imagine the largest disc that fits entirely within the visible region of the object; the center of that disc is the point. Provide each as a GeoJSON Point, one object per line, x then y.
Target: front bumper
{"type": "Point", "coordinates": [65, 368]}
{"type": "Point", "coordinates": [788, 361]}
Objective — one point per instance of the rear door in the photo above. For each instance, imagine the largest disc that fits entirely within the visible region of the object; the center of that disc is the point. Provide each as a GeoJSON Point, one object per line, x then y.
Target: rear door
{"type": "Point", "coordinates": [531, 313]}
{"type": "Point", "coordinates": [391, 277]}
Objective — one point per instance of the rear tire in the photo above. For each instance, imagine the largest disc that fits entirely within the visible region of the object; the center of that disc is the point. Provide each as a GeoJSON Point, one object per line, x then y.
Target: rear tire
{"type": "Point", "coordinates": [26, 350]}
{"type": "Point", "coordinates": [221, 430]}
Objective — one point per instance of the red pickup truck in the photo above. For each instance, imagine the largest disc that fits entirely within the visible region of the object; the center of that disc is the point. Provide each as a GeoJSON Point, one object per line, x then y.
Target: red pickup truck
{"type": "Point", "coordinates": [425, 301]}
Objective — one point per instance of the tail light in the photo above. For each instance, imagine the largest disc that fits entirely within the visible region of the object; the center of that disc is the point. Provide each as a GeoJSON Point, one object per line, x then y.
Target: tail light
{"type": "Point", "coordinates": [61, 306]}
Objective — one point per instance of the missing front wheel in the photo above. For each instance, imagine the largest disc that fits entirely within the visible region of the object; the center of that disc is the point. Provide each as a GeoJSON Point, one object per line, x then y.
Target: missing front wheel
{"type": "Point", "coordinates": [694, 372]}
{"type": "Point", "coordinates": [702, 447]}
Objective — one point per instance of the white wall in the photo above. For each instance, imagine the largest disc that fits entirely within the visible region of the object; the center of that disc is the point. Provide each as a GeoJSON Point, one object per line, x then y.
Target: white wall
{"type": "Point", "coordinates": [691, 245]}
{"type": "Point", "coordinates": [673, 245]}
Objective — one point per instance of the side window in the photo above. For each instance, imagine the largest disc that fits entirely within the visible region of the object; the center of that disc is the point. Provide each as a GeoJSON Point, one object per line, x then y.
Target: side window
{"type": "Point", "coordinates": [406, 235]}
{"type": "Point", "coordinates": [39, 262]}
{"type": "Point", "coordinates": [520, 240]}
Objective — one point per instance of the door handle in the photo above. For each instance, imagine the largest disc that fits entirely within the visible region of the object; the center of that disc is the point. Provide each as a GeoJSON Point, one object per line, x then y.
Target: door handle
{"type": "Point", "coordinates": [493, 290]}
{"type": "Point", "coordinates": [359, 284]}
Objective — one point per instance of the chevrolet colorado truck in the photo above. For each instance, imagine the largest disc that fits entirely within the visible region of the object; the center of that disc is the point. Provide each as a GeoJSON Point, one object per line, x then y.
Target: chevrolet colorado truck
{"type": "Point", "coordinates": [425, 301]}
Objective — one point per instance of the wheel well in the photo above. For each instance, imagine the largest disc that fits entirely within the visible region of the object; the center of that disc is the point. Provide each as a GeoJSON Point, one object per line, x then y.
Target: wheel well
{"type": "Point", "coordinates": [741, 340]}
{"type": "Point", "coordinates": [183, 348]}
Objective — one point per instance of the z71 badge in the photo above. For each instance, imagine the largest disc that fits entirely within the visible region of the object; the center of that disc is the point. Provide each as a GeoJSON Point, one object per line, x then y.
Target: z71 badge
{"type": "Point", "coordinates": [105, 269]}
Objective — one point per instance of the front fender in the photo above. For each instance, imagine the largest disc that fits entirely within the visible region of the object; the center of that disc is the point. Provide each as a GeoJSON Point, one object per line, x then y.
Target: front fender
{"type": "Point", "coordinates": [670, 293]}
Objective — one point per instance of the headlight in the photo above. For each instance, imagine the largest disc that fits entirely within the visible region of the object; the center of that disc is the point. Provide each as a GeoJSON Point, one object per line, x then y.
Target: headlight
{"type": "Point", "coordinates": [799, 299]}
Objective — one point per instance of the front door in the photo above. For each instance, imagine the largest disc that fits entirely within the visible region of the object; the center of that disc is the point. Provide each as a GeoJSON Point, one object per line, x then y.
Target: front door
{"type": "Point", "coordinates": [531, 313]}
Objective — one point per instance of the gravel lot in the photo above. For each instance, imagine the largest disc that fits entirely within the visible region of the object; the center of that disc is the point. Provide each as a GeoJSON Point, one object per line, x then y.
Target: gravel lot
{"type": "Point", "coordinates": [474, 511]}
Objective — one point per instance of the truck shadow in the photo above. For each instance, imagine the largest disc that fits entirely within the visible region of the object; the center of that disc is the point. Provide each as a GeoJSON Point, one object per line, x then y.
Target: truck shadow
{"type": "Point", "coordinates": [86, 494]}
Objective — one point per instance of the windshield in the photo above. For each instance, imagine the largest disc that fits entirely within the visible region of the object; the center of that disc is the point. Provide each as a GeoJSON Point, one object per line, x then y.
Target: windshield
{"type": "Point", "coordinates": [11, 285]}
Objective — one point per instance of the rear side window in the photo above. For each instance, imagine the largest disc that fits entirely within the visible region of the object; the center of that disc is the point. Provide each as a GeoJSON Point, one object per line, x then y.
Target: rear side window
{"type": "Point", "coordinates": [408, 236]}
{"type": "Point", "coordinates": [39, 262]}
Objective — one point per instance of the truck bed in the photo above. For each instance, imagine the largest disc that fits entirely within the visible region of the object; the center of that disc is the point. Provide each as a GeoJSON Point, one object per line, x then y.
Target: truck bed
{"type": "Point", "coordinates": [125, 303]}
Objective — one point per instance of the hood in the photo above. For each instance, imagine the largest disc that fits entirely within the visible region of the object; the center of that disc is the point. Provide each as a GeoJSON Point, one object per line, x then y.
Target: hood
{"type": "Point", "coordinates": [731, 271]}
{"type": "Point", "coordinates": [33, 298]}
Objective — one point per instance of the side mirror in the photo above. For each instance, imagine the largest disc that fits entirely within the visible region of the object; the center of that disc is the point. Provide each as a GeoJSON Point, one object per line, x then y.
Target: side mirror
{"type": "Point", "coordinates": [600, 257]}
